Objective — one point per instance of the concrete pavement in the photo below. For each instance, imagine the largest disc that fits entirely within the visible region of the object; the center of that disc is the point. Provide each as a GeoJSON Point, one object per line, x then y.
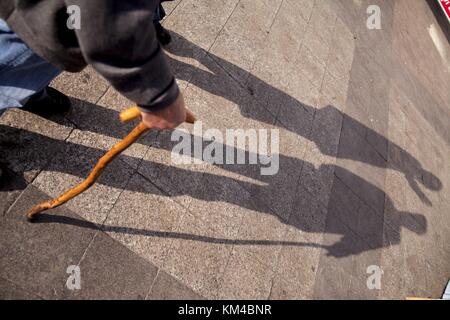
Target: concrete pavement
{"type": "Point", "coordinates": [363, 117]}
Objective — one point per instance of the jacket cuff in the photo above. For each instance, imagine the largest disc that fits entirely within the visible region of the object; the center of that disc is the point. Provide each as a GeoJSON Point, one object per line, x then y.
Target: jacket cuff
{"type": "Point", "coordinates": [165, 99]}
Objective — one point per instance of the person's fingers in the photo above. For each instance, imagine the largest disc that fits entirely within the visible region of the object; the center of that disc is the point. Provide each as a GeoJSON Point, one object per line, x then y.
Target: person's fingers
{"type": "Point", "coordinates": [168, 118]}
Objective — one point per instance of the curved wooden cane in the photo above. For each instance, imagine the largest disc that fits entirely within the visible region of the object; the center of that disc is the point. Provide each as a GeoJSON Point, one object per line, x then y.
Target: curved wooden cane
{"type": "Point", "coordinates": [139, 130]}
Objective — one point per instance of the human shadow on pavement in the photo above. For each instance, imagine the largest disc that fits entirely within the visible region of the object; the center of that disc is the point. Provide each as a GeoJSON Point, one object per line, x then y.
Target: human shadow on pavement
{"type": "Point", "coordinates": [213, 81]}
{"type": "Point", "coordinates": [326, 199]}
{"type": "Point", "coordinates": [292, 114]}
{"type": "Point", "coordinates": [362, 224]}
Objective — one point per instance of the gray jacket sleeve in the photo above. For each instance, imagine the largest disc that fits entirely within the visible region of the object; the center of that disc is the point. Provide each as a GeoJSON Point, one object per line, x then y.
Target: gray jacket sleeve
{"type": "Point", "coordinates": [118, 39]}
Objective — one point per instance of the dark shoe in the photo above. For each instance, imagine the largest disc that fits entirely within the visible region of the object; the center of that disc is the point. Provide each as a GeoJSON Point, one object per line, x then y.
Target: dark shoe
{"type": "Point", "coordinates": [53, 102]}
{"type": "Point", "coordinates": [162, 34]}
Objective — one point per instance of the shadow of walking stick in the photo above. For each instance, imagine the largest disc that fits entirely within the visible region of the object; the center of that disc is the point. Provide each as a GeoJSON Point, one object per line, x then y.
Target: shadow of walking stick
{"type": "Point", "coordinates": [138, 131]}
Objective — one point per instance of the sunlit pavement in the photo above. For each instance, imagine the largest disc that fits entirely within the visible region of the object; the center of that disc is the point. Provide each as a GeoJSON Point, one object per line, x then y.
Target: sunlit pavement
{"type": "Point", "coordinates": [360, 205]}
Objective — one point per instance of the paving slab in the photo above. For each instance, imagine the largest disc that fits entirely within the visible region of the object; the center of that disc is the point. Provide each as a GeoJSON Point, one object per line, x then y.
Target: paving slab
{"type": "Point", "coordinates": [245, 277]}
{"type": "Point", "coordinates": [144, 219]}
{"type": "Point", "coordinates": [87, 85]}
{"type": "Point", "coordinates": [243, 37]}
{"type": "Point", "coordinates": [109, 270]}
{"type": "Point", "coordinates": [35, 256]}
{"type": "Point", "coordinates": [166, 287]}
{"type": "Point", "coordinates": [363, 121]}
{"type": "Point", "coordinates": [11, 291]}
{"type": "Point", "coordinates": [297, 264]}
{"type": "Point", "coordinates": [200, 21]}
{"type": "Point", "coordinates": [197, 259]}
{"type": "Point", "coordinates": [11, 186]}
{"type": "Point", "coordinates": [30, 140]}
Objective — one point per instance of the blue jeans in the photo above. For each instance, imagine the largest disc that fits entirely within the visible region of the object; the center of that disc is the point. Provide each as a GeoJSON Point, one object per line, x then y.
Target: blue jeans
{"type": "Point", "coordinates": [23, 73]}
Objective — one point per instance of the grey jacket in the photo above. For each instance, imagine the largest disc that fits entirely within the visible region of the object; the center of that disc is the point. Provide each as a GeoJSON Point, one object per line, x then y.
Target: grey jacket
{"type": "Point", "coordinates": [116, 37]}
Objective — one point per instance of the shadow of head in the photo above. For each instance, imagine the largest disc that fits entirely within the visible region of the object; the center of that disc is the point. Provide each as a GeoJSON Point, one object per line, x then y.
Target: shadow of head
{"type": "Point", "coordinates": [414, 222]}
{"type": "Point", "coordinates": [430, 181]}
{"type": "Point", "coordinates": [425, 178]}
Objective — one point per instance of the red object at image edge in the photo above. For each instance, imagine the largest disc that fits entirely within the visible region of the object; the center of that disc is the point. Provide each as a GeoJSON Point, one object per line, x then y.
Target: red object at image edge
{"type": "Point", "coordinates": [445, 5]}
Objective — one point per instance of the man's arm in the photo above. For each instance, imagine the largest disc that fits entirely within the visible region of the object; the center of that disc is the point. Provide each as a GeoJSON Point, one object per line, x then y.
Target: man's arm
{"type": "Point", "coordinates": [118, 39]}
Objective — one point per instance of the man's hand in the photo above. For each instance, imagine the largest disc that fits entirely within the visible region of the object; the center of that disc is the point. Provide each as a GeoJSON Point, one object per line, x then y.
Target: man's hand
{"type": "Point", "coordinates": [168, 118]}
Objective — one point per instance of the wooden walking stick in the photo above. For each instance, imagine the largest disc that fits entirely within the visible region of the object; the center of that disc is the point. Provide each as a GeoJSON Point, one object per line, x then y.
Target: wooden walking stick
{"type": "Point", "coordinates": [140, 129]}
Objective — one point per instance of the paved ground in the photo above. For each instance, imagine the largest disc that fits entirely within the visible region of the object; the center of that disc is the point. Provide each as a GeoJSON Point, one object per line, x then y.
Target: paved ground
{"type": "Point", "coordinates": [364, 129]}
